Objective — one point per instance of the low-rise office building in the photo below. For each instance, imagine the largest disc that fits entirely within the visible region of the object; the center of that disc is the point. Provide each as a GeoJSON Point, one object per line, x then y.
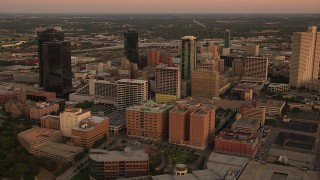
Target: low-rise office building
{"type": "Point", "coordinates": [273, 107]}
{"type": "Point", "coordinates": [277, 87]}
{"type": "Point", "coordinates": [43, 142]}
{"type": "Point", "coordinates": [118, 164]}
{"type": "Point", "coordinates": [42, 109]}
{"type": "Point", "coordinates": [238, 143]}
{"type": "Point", "coordinates": [90, 130]}
{"type": "Point", "coordinates": [50, 122]}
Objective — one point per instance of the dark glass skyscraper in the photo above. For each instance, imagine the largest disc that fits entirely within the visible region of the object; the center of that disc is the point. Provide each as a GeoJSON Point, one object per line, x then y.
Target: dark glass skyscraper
{"type": "Point", "coordinates": [227, 36]}
{"type": "Point", "coordinates": [188, 56]}
{"type": "Point", "coordinates": [57, 75]}
{"type": "Point", "coordinates": [131, 46]}
{"type": "Point", "coordinates": [47, 35]}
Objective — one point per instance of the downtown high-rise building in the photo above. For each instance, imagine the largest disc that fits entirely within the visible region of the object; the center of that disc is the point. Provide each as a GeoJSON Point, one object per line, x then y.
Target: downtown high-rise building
{"type": "Point", "coordinates": [56, 66]}
{"type": "Point", "coordinates": [305, 57]}
{"type": "Point", "coordinates": [188, 56]}
{"type": "Point", "coordinates": [47, 35]}
{"type": "Point", "coordinates": [256, 68]}
{"type": "Point", "coordinates": [131, 46]}
{"type": "Point", "coordinates": [168, 83]}
{"type": "Point", "coordinates": [205, 83]}
{"type": "Point", "coordinates": [227, 36]}
{"type": "Point", "coordinates": [131, 92]}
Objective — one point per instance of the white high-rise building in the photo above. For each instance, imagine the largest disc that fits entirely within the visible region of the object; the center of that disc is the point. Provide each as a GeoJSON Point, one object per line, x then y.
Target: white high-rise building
{"type": "Point", "coordinates": [168, 83]}
{"type": "Point", "coordinates": [131, 92]}
{"type": "Point", "coordinates": [305, 57]}
{"type": "Point", "coordinates": [71, 118]}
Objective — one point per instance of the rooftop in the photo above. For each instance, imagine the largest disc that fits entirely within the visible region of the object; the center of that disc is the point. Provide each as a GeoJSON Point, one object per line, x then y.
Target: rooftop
{"type": "Point", "coordinates": [247, 122]}
{"type": "Point", "coordinates": [37, 134]}
{"type": "Point", "coordinates": [59, 149]}
{"type": "Point", "coordinates": [89, 123]}
{"type": "Point", "coordinates": [150, 106]}
{"type": "Point", "coordinates": [110, 156]}
{"type": "Point", "coordinates": [132, 81]}
{"type": "Point", "coordinates": [256, 170]}
{"type": "Point", "coordinates": [238, 136]}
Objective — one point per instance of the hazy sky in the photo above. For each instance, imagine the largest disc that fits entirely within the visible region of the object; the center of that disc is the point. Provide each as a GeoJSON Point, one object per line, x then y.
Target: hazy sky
{"type": "Point", "coordinates": [161, 6]}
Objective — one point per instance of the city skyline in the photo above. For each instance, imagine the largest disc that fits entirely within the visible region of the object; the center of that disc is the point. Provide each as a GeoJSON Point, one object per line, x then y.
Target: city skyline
{"type": "Point", "coordinates": [164, 6]}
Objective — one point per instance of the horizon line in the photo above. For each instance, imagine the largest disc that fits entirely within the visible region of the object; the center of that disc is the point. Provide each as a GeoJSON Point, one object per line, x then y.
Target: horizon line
{"type": "Point", "coordinates": [168, 13]}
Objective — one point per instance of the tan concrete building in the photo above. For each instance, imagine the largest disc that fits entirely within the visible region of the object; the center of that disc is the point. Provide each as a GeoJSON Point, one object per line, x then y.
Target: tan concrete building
{"type": "Point", "coordinates": [168, 83]}
{"type": "Point", "coordinates": [212, 65]}
{"type": "Point", "coordinates": [50, 122]}
{"type": "Point", "coordinates": [237, 67]}
{"type": "Point", "coordinates": [205, 83]}
{"type": "Point", "coordinates": [89, 131]}
{"type": "Point", "coordinates": [252, 110]}
{"type": "Point", "coordinates": [256, 67]}
{"type": "Point", "coordinates": [305, 57]}
{"type": "Point", "coordinates": [273, 107]}
{"type": "Point", "coordinates": [42, 109]}
{"type": "Point", "coordinates": [71, 118]}
{"type": "Point", "coordinates": [252, 50]}
{"type": "Point", "coordinates": [212, 49]}
{"type": "Point", "coordinates": [131, 92]}
{"type": "Point", "coordinates": [148, 120]}
{"type": "Point", "coordinates": [277, 87]}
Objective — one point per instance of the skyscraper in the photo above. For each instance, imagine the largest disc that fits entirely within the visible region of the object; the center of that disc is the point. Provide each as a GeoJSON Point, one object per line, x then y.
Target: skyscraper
{"type": "Point", "coordinates": [188, 56]}
{"type": "Point", "coordinates": [131, 46]}
{"type": "Point", "coordinates": [57, 75]}
{"type": "Point", "coordinates": [47, 35]}
{"type": "Point", "coordinates": [305, 57]}
{"type": "Point", "coordinates": [227, 35]}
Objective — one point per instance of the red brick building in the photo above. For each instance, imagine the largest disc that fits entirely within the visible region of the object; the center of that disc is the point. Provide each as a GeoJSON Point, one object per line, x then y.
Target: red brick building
{"type": "Point", "coordinates": [237, 143]}
{"type": "Point", "coordinates": [90, 130]}
{"type": "Point", "coordinates": [191, 126]}
{"type": "Point", "coordinates": [118, 164]}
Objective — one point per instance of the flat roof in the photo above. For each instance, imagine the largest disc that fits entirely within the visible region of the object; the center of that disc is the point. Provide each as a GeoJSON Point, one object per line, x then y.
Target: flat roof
{"type": "Point", "coordinates": [86, 124]}
{"type": "Point", "coordinates": [221, 164]}
{"type": "Point", "coordinates": [150, 106]}
{"type": "Point", "coordinates": [110, 156]}
{"type": "Point", "coordinates": [265, 171]}
{"type": "Point", "coordinates": [59, 149]}
{"type": "Point", "coordinates": [247, 122]}
{"type": "Point", "coordinates": [37, 134]}
{"type": "Point", "coordinates": [132, 80]}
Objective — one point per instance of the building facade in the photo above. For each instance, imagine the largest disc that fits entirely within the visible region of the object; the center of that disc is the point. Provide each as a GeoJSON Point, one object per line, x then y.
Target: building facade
{"type": "Point", "coordinates": [188, 56]}
{"type": "Point", "coordinates": [205, 83]}
{"type": "Point", "coordinates": [191, 126]}
{"type": "Point", "coordinates": [47, 35]}
{"type": "Point", "coordinates": [71, 118]}
{"type": "Point", "coordinates": [148, 120]}
{"type": "Point", "coordinates": [50, 122]}
{"type": "Point", "coordinates": [130, 92]}
{"type": "Point", "coordinates": [57, 75]}
{"type": "Point", "coordinates": [131, 46]}
{"type": "Point", "coordinates": [168, 83]}
{"type": "Point", "coordinates": [89, 131]}
{"type": "Point", "coordinates": [118, 164]}
{"type": "Point", "coordinates": [42, 109]}
{"type": "Point", "coordinates": [256, 67]}
{"type": "Point", "coordinates": [237, 143]}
